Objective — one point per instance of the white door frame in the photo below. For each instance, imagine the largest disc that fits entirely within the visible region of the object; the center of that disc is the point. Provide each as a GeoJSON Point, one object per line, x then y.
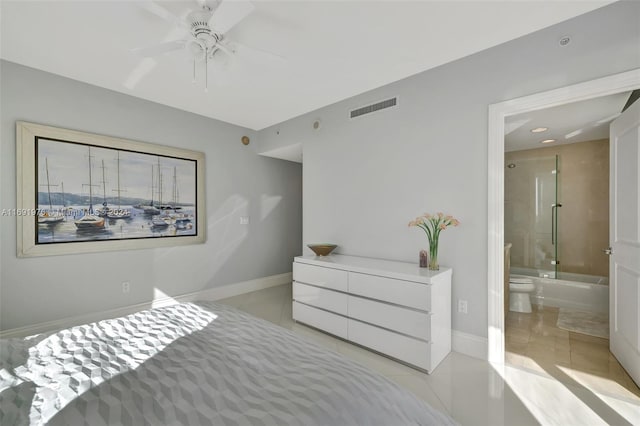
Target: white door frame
{"type": "Point", "coordinates": [609, 85]}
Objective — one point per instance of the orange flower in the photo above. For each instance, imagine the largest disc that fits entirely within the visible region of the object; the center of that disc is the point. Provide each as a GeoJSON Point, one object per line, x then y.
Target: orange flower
{"type": "Point", "coordinates": [432, 225]}
{"type": "Point", "coordinates": [417, 221]}
{"type": "Point", "coordinates": [434, 222]}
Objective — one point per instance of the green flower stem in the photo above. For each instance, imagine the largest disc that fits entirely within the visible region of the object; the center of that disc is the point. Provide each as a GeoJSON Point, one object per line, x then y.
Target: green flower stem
{"type": "Point", "coordinates": [432, 230]}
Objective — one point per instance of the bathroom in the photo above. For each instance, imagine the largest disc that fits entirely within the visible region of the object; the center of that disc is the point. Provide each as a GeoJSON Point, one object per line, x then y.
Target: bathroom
{"type": "Point", "coordinates": [557, 220]}
{"type": "Point", "coordinates": [556, 232]}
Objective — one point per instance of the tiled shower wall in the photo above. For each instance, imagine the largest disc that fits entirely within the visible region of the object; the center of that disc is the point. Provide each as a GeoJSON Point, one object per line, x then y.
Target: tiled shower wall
{"type": "Point", "coordinates": [583, 220]}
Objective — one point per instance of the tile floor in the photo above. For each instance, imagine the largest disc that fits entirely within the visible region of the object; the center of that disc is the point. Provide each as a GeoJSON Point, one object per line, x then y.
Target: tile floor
{"type": "Point", "coordinates": [535, 343]}
{"type": "Point", "coordinates": [473, 391]}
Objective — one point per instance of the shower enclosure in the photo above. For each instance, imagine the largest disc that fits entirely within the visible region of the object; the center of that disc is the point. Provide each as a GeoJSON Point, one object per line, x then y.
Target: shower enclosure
{"type": "Point", "coordinates": [534, 220]}
{"type": "Point", "coordinates": [531, 214]}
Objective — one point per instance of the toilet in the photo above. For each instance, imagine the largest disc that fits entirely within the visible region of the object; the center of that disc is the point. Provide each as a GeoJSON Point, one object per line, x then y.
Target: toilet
{"type": "Point", "coordinates": [519, 290]}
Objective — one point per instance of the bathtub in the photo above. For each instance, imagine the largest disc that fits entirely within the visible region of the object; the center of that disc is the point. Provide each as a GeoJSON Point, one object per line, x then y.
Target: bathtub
{"type": "Point", "coordinates": [575, 291]}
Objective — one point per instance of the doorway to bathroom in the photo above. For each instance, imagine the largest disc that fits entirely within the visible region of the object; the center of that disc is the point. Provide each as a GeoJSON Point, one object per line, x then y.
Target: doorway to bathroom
{"type": "Point", "coordinates": [556, 203]}
{"type": "Point", "coordinates": [556, 231]}
{"type": "Point", "coordinates": [545, 259]}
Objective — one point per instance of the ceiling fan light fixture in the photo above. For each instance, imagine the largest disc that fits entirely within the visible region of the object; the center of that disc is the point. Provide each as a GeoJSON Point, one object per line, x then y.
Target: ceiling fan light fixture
{"type": "Point", "coordinates": [196, 49]}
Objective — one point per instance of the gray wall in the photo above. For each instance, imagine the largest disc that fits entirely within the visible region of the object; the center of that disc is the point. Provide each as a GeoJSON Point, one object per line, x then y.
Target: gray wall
{"type": "Point", "coordinates": [364, 179]}
{"type": "Point", "coordinates": [238, 183]}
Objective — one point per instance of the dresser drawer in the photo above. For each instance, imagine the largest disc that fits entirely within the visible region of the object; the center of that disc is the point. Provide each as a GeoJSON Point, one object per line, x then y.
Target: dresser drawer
{"type": "Point", "coordinates": [405, 293]}
{"type": "Point", "coordinates": [320, 297]}
{"type": "Point", "coordinates": [396, 318]}
{"type": "Point", "coordinates": [319, 276]}
{"type": "Point", "coordinates": [331, 323]}
{"type": "Point", "coordinates": [404, 348]}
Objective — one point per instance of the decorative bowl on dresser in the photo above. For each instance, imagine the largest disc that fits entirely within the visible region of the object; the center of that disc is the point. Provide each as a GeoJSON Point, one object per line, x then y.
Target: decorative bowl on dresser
{"type": "Point", "coordinates": [322, 249]}
{"type": "Point", "coordinates": [397, 309]}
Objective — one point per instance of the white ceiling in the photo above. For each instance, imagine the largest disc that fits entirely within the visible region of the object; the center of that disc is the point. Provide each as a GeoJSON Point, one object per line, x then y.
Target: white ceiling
{"type": "Point", "coordinates": [571, 123]}
{"type": "Point", "coordinates": [291, 152]}
{"type": "Point", "coordinates": [333, 49]}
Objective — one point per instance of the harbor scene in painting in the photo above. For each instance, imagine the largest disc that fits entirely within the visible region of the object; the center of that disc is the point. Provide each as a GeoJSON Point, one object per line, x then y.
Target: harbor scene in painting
{"type": "Point", "coordinates": [89, 193]}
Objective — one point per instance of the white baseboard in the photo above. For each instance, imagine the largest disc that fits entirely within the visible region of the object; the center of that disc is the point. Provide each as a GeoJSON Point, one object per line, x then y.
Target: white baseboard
{"type": "Point", "coordinates": [469, 344]}
{"type": "Point", "coordinates": [215, 293]}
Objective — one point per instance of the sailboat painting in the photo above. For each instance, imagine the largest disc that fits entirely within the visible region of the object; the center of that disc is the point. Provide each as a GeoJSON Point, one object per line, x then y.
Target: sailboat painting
{"type": "Point", "coordinates": [90, 192]}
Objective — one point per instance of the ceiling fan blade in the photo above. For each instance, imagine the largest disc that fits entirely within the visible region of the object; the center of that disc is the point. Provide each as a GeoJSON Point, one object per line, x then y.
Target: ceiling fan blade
{"type": "Point", "coordinates": [211, 4]}
{"type": "Point", "coordinates": [153, 7]}
{"type": "Point", "coordinates": [228, 49]}
{"type": "Point", "coordinates": [229, 13]}
{"type": "Point", "coordinates": [144, 67]}
{"type": "Point", "coordinates": [255, 55]}
{"type": "Point", "coordinates": [159, 49]}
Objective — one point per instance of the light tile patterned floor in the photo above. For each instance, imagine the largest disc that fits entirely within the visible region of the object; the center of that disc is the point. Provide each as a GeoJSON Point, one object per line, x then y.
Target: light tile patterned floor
{"type": "Point", "coordinates": [475, 393]}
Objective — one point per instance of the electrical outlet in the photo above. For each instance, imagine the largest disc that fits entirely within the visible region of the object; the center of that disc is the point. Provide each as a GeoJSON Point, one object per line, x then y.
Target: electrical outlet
{"type": "Point", "coordinates": [126, 286]}
{"type": "Point", "coordinates": [244, 220]}
{"type": "Point", "coordinates": [462, 306]}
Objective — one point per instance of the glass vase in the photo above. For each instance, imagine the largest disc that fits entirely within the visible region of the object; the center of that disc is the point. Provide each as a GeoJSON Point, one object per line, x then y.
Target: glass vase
{"type": "Point", "coordinates": [433, 255]}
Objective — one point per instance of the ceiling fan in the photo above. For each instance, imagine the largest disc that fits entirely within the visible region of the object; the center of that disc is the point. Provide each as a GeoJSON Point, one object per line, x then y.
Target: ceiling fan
{"type": "Point", "coordinates": [205, 29]}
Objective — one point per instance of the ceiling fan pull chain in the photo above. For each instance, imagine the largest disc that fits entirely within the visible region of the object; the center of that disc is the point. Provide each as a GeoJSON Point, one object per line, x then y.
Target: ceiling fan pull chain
{"type": "Point", "coordinates": [194, 71]}
{"type": "Point", "coordinates": [206, 70]}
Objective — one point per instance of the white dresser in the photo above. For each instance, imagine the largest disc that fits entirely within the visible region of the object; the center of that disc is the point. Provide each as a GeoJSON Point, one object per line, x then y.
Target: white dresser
{"type": "Point", "coordinates": [395, 308]}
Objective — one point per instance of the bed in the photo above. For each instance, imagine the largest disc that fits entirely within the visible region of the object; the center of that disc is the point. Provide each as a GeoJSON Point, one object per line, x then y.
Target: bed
{"type": "Point", "coordinates": [193, 363]}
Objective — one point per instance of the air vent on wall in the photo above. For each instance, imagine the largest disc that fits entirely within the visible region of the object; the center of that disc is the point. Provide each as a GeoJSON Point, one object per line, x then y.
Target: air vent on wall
{"type": "Point", "coordinates": [374, 107]}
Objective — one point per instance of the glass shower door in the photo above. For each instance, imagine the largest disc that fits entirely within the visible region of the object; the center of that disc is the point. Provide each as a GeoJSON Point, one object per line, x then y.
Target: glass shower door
{"type": "Point", "coordinates": [531, 213]}
{"type": "Point", "coordinates": [545, 179]}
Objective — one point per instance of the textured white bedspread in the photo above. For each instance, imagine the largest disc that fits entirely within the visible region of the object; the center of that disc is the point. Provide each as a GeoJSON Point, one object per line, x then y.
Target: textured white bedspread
{"type": "Point", "coordinates": [196, 364]}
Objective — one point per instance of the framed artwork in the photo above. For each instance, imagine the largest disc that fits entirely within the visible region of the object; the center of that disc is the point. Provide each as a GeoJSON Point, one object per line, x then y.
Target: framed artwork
{"type": "Point", "coordinates": [80, 192]}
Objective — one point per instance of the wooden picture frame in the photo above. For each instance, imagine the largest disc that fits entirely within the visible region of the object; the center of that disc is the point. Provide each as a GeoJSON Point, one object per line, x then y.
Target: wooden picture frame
{"type": "Point", "coordinates": [113, 195]}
